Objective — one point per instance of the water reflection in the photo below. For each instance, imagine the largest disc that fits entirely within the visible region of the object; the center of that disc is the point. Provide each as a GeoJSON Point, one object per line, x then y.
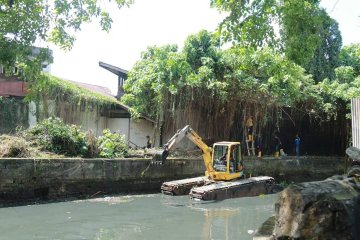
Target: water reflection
{"type": "Point", "coordinates": [228, 219]}
{"type": "Point", "coordinates": [152, 216]}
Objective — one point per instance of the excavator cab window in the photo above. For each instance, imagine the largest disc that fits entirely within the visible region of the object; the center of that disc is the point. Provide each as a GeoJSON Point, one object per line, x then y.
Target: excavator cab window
{"type": "Point", "coordinates": [235, 159]}
{"type": "Point", "coordinates": [220, 158]}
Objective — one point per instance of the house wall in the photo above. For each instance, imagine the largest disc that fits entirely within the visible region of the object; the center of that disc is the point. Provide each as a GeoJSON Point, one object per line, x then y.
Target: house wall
{"type": "Point", "coordinates": [92, 120]}
{"type": "Point", "coordinates": [135, 131]}
{"type": "Point", "coordinates": [119, 125]}
{"type": "Point", "coordinates": [13, 114]}
{"type": "Point", "coordinates": [139, 129]}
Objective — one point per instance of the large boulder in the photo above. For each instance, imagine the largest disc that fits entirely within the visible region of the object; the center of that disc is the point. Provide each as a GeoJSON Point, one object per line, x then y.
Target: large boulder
{"type": "Point", "coordinates": [354, 154]}
{"type": "Point", "coordinates": [317, 210]}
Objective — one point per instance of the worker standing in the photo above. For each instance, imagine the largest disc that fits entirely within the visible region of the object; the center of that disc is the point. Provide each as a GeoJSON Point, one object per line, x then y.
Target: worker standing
{"type": "Point", "coordinates": [297, 145]}
{"type": "Point", "coordinates": [259, 145]}
{"type": "Point", "coordinates": [250, 127]}
{"type": "Point", "coordinates": [277, 143]}
{"type": "Point", "coordinates": [148, 142]}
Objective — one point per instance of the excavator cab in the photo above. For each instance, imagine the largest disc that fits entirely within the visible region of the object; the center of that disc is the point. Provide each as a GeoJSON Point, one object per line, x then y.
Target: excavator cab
{"type": "Point", "coordinates": [227, 161]}
{"type": "Point", "coordinates": [223, 162]}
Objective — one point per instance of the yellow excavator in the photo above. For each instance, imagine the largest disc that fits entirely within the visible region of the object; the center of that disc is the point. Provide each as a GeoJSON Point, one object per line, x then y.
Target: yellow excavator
{"type": "Point", "coordinates": [224, 177]}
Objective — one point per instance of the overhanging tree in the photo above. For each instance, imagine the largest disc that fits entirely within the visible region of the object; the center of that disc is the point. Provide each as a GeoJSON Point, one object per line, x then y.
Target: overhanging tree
{"type": "Point", "coordinates": [23, 22]}
{"type": "Point", "coordinates": [210, 88]}
{"type": "Point", "coordinates": [294, 27]}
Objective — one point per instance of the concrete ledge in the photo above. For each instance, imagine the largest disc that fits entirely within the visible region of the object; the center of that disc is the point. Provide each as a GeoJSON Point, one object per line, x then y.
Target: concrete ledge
{"type": "Point", "coordinates": [293, 169]}
{"type": "Point", "coordinates": [55, 178]}
{"type": "Point", "coordinates": [60, 178]}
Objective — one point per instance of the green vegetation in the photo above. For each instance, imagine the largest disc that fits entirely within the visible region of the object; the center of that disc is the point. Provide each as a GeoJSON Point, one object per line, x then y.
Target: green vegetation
{"type": "Point", "coordinates": [53, 138]}
{"type": "Point", "coordinates": [112, 145]}
{"type": "Point", "coordinates": [24, 22]}
{"type": "Point", "coordinates": [205, 82]}
{"type": "Point", "coordinates": [53, 96]}
{"type": "Point", "coordinates": [297, 28]}
{"type": "Point", "coordinates": [204, 85]}
{"type": "Point", "coordinates": [286, 59]}
{"type": "Point", "coordinates": [54, 88]}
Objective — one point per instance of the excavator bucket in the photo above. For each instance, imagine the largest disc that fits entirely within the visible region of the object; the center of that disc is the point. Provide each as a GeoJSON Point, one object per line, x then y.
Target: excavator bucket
{"type": "Point", "coordinates": [160, 156]}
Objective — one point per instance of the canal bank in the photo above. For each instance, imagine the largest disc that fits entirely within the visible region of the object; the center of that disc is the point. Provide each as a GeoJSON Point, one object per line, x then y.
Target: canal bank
{"type": "Point", "coordinates": [22, 179]}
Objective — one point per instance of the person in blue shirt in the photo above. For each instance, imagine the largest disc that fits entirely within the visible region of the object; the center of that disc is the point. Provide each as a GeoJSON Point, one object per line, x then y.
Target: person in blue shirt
{"type": "Point", "coordinates": [297, 143]}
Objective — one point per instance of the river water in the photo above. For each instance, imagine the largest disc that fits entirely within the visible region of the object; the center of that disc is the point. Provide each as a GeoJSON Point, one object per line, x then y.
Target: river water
{"type": "Point", "coordinates": [131, 217]}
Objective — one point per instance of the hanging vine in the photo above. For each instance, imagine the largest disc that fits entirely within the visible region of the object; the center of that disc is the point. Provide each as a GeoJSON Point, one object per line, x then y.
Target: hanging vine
{"type": "Point", "coordinates": [65, 98]}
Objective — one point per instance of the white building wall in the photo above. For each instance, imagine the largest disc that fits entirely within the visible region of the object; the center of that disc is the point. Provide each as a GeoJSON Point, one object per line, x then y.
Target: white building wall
{"type": "Point", "coordinates": [139, 129]}
{"type": "Point", "coordinates": [355, 121]}
{"type": "Point", "coordinates": [119, 125]}
{"type": "Point", "coordinates": [135, 131]}
{"type": "Point", "coordinates": [32, 114]}
{"type": "Point", "coordinates": [91, 121]}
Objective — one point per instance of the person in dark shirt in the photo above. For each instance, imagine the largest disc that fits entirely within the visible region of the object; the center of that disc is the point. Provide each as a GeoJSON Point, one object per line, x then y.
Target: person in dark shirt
{"type": "Point", "coordinates": [259, 145]}
{"type": "Point", "coordinates": [277, 143]}
{"type": "Point", "coordinates": [297, 142]}
{"type": "Point", "coordinates": [148, 142]}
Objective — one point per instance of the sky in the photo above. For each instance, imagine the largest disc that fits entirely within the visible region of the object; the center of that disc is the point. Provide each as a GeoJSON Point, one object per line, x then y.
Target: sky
{"type": "Point", "coordinates": [159, 22]}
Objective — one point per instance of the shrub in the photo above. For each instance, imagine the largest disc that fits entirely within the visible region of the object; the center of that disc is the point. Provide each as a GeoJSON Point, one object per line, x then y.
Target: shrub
{"type": "Point", "coordinates": [56, 136]}
{"type": "Point", "coordinates": [112, 145]}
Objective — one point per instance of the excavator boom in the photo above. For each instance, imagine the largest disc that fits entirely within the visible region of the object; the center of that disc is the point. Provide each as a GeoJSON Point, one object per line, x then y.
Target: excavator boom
{"type": "Point", "coordinates": [188, 132]}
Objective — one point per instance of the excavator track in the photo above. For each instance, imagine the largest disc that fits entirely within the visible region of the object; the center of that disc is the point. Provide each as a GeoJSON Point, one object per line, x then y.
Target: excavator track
{"type": "Point", "coordinates": [234, 189]}
{"type": "Point", "coordinates": [183, 186]}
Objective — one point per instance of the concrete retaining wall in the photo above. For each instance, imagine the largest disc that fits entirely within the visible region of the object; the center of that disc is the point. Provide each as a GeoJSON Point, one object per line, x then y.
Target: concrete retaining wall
{"type": "Point", "coordinates": [58, 178]}
{"type": "Point", "coordinates": [292, 169]}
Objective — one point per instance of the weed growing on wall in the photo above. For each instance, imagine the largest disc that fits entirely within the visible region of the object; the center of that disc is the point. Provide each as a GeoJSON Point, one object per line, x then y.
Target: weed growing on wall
{"type": "Point", "coordinates": [48, 88]}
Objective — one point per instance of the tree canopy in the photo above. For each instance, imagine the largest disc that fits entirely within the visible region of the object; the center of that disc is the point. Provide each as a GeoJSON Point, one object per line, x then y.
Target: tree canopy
{"type": "Point", "coordinates": [204, 79]}
{"type": "Point", "coordinates": [336, 93]}
{"type": "Point", "coordinates": [295, 27]}
{"type": "Point", "coordinates": [23, 22]}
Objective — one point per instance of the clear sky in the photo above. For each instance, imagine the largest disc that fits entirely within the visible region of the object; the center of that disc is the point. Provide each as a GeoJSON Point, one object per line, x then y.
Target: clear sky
{"type": "Point", "coordinates": [159, 22]}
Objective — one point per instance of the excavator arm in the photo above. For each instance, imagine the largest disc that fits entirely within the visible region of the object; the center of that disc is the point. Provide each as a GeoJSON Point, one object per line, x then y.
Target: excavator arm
{"type": "Point", "coordinates": [188, 132]}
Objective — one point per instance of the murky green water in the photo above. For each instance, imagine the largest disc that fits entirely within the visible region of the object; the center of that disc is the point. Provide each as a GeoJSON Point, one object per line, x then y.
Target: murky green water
{"type": "Point", "coordinates": [132, 217]}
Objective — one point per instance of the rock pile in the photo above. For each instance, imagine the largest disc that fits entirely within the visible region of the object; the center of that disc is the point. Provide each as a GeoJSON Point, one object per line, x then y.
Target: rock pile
{"type": "Point", "coordinates": [328, 209]}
